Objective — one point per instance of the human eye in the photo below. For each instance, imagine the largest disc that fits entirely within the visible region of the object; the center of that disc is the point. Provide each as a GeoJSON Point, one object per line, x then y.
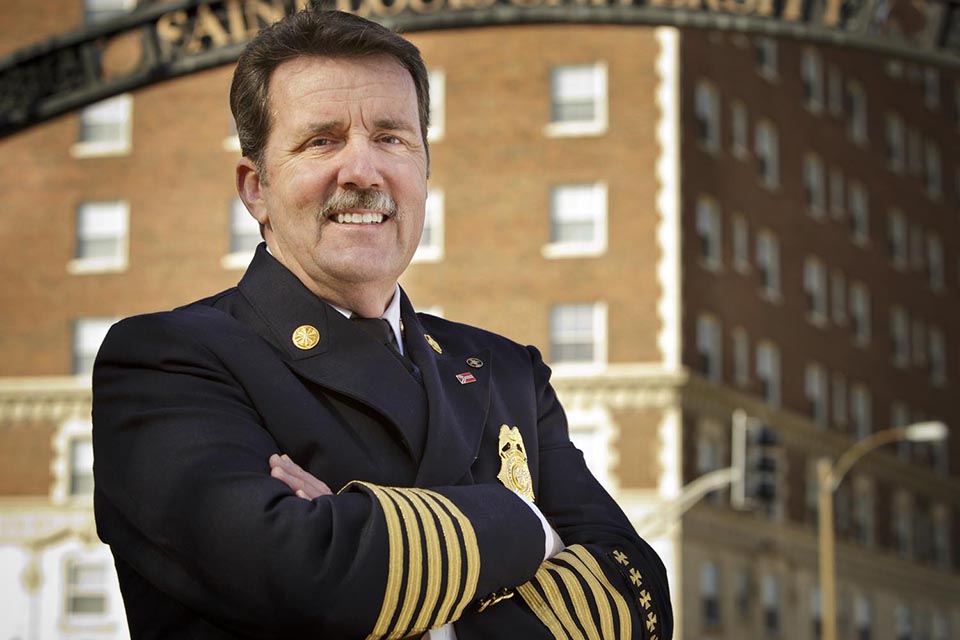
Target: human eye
{"type": "Point", "coordinates": [390, 138]}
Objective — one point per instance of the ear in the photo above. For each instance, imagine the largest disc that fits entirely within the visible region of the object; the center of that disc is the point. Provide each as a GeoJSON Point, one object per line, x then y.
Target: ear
{"type": "Point", "coordinates": [249, 187]}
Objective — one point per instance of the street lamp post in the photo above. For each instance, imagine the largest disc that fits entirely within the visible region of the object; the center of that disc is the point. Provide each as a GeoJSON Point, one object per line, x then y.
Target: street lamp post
{"type": "Point", "coordinates": [829, 476]}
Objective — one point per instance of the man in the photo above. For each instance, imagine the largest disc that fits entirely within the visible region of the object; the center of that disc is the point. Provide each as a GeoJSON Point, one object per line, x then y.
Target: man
{"type": "Point", "coordinates": [438, 491]}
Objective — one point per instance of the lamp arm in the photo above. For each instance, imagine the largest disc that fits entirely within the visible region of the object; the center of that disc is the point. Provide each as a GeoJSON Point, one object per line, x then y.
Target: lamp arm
{"type": "Point", "coordinates": [858, 450]}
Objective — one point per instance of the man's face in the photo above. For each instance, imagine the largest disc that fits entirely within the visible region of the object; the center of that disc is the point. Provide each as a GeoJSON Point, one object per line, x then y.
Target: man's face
{"type": "Point", "coordinates": [345, 143]}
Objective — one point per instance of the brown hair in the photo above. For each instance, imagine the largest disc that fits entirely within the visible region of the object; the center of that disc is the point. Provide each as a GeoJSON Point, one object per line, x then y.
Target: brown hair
{"type": "Point", "coordinates": [312, 32]}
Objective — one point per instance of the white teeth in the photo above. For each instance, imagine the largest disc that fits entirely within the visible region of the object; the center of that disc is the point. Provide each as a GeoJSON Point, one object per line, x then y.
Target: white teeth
{"type": "Point", "coordinates": [359, 218]}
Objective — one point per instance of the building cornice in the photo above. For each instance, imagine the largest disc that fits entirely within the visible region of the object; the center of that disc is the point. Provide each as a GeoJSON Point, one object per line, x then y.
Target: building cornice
{"type": "Point", "coordinates": [44, 398]}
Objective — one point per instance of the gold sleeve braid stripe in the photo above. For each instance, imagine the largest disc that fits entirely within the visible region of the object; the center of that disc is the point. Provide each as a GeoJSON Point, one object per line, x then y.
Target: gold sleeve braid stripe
{"type": "Point", "coordinates": [585, 584]}
{"type": "Point", "coordinates": [592, 566]}
{"type": "Point", "coordinates": [419, 563]}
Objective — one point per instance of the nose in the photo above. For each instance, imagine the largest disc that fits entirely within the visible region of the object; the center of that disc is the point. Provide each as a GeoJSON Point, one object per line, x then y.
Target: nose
{"type": "Point", "coordinates": [359, 167]}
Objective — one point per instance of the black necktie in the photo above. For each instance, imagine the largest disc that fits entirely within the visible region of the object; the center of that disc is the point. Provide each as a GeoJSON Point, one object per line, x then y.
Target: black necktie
{"type": "Point", "coordinates": [383, 332]}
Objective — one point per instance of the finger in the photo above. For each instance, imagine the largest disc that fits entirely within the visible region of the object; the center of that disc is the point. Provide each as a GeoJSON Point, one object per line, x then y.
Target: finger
{"type": "Point", "coordinates": [301, 494]}
{"type": "Point", "coordinates": [292, 483]}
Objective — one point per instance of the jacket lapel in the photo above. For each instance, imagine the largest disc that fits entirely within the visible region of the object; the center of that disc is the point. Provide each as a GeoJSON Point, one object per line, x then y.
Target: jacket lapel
{"type": "Point", "coordinates": [345, 358]}
{"type": "Point", "coordinates": [457, 411]}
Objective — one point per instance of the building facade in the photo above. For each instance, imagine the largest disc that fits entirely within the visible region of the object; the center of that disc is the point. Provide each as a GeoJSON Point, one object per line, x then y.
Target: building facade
{"type": "Point", "coordinates": [687, 220]}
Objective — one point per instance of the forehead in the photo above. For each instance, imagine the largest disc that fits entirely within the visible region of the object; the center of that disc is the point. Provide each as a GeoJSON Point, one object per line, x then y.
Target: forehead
{"type": "Point", "coordinates": [306, 84]}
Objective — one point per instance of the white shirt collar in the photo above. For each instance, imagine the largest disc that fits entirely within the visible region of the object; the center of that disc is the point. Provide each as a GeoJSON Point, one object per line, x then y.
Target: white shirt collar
{"type": "Point", "coordinates": [391, 315]}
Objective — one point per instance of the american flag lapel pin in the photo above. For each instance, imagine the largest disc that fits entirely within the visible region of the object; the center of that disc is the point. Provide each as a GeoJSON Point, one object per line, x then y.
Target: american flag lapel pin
{"type": "Point", "coordinates": [466, 378]}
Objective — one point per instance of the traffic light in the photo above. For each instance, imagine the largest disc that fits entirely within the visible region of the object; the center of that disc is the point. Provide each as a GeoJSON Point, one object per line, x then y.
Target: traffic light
{"type": "Point", "coordinates": [755, 454]}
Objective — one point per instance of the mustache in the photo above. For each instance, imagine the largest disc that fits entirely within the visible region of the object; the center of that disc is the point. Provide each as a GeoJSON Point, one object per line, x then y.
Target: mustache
{"type": "Point", "coordinates": [369, 199]}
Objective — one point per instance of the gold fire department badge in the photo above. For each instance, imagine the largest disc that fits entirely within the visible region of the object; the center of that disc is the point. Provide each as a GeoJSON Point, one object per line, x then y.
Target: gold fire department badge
{"type": "Point", "coordinates": [514, 472]}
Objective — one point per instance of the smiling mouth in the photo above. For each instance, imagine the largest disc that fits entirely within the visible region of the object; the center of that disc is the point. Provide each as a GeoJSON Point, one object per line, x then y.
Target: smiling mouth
{"type": "Point", "coordinates": [358, 218]}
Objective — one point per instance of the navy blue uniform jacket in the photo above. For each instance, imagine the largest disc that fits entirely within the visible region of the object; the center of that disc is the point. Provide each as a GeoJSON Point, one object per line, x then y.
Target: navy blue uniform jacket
{"type": "Point", "coordinates": [188, 406]}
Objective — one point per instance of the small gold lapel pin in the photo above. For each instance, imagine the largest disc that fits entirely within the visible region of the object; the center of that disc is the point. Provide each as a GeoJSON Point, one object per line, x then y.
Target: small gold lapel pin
{"type": "Point", "coordinates": [432, 343]}
{"type": "Point", "coordinates": [306, 337]}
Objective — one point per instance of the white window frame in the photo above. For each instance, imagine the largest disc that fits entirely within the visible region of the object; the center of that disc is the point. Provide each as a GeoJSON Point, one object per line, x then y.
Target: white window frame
{"type": "Point", "coordinates": [438, 90]}
{"type": "Point", "coordinates": [861, 410]}
{"type": "Point", "coordinates": [710, 347]}
{"type": "Point", "coordinates": [434, 221]}
{"type": "Point", "coordinates": [815, 187]}
{"type": "Point", "coordinates": [83, 559]}
{"type": "Point", "coordinates": [857, 126]}
{"type": "Point", "coordinates": [86, 330]}
{"type": "Point", "coordinates": [768, 371]}
{"type": "Point", "coordinates": [598, 338]}
{"type": "Point", "coordinates": [766, 52]}
{"type": "Point", "coordinates": [121, 6]}
{"type": "Point", "coordinates": [768, 264]}
{"type": "Point", "coordinates": [593, 127]}
{"type": "Point", "coordinates": [815, 289]}
{"type": "Point", "coordinates": [897, 240]}
{"type": "Point", "coordinates": [811, 74]}
{"type": "Point", "coordinates": [709, 233]}
{"type": "Point", "coordinates": [116, 111]}
{"type": "Point", "coordinates": [118, 209]}
{"type": "Point", "coordinates": [766, 145]}
{"type": "Point", "coordinates": [63, 466]}
{"type": "Point", "coordinates": [238, 215]}
{"type": "Point", "coordinates": [815, 388]}
{"type": "Point", "coordinates": [707, 115]}
{"type": "Point", "coordinates": [859, 213]}
{"type": "Point", "coordinates": [595, 214]}
{"type": "Point", "coordinates": [739, 130]}
{"type": "Point", "coordinates": [740, 243]}
{"type": "Point", "coordinates": [895, 142]}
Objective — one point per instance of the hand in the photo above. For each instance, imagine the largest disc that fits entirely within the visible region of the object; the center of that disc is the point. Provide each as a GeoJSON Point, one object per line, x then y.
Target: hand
{"type": "Point", "coordinates": [301, 482]}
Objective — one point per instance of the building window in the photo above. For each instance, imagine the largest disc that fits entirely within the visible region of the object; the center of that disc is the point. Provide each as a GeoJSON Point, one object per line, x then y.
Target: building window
{"type": "Point", "coordinates": [816, 623]}
{"type": "Point", "coordinates": [437, 105]}
{"type": "Point", "coordinates": [904, 622]}
{"type": "Point", "coordinates": [814, 185]}
{"type": "Point", "coordinates": [861, 411]}
{"type": "Point", "coordinates": [708, 233]}
{"type": "Point", "coordinates": [897, 239]}
{"type": "Point", "coordinates": [859, 214]}
{"type": "Point", "coordinates": [900, 417]}
{"type": "Point", "coordinates": [80, 466]}
{"type": "Point", "coordinates": [815, 289]}
{"type": "Point", "coordinates": [709, 342]}
{"type": "Point", "coordinates": [707, 105]}
{"type": "Point", "coordinates": [578, 100]}
{"type": "Point", "coordinates": [938, 357]}
{"type": "Point", "coordinates": [935, 262]}
{"type": "Point", "coordinates": [839, 395]}
{"type": "Point", "coordinates": [105, 128]}
{"type": "Point", "coordinates": [771, 605]}
{"type": "Point", "coordinates": [811, 71]}
{"type": "Point", "coordinates": [863, 617]}
{"type": "Point", "coordinates": [88, 334]}
{"type": "Point", "coordinates": [741, 357]}
{"type": "Point", "coordinates": [932, 175]}
{"type": "Point", "coordinates": [857, 98]}
{"type": "Point", "coordinates": [900, 336]}
{"type": "Point", "coordinates": [85, 588]}
{"type": "Point", "coordinates": [101, 237]}
{"type": "Point", "coordinates": [931, 88]}
{"type": "Point", "coordinates": [102, 10]}
{"type": "Point", "coordinates": [766, 49]}
{"type": "Point", "coordinates": [768, 372]}
{"type": "Point", "coordinates": [766, 148]}
{"type": "Point", "coordinates": [864, 511]}
{"type": "Point", "coordinates": [430, 248]}
{"type": "Point", "coordinates": [940, 627]}
{"type": "Point", "coordinates": [743, 592]}
{"type": "Point", "coordinates": [578, 334]}
{"type": "Point", "coordinates": [591, 431]}
{"type": "Point", "coordinates": [244, 236]}
{"type": "Point", "coordinates": [838, 298]}
{"type": "Point", "coordinates": [837, 194]}
{"type": "Point", "coordinates": [835, 91]}
{"type": "Point", "coordinates": [941, 536]}
{"type": "Point", "coordinates": [578, 220]}
{"type": "Point", "coordinates": [768, 264]}
{"type": "Point", "coordinates": [739, 128]}
{"type": "Point", "coordinates": [815, 385]}
{"type": "Point", "coordinates": [740, 239]}
{"type": "Point", "coordinates": [710, 594]}
{"type": "Point", "coordinates": [860, 313]}
{"type": "Point", "coordinates": [896, 145]}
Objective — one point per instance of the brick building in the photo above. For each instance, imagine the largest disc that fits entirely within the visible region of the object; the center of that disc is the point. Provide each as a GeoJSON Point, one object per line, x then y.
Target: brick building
{"type": "Point", "coordinates": [688, 221]}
